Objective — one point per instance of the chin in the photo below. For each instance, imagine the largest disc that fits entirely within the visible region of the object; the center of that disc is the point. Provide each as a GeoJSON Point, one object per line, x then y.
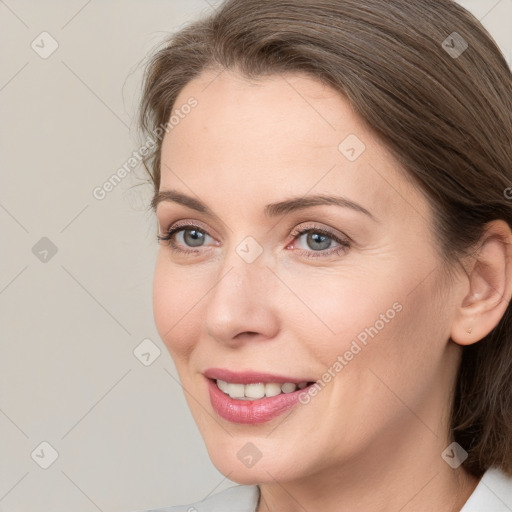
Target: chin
{"type": "Point", "coordinates": [258, 474]}
{"type": "Point", "coordinates": [251, 460]}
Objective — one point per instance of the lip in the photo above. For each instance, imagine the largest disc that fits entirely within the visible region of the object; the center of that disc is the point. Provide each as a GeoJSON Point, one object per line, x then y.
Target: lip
{"type": "Point", "coordinates": [250, 411]}
{"type": "Point", "coordinates": [251, 377]}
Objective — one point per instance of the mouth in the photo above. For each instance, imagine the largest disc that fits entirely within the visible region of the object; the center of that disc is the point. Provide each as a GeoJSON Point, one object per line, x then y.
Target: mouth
{"type": "Point", "coordinates": [258, 390]}
{"type": "Point", "coordinates": [252, 397]}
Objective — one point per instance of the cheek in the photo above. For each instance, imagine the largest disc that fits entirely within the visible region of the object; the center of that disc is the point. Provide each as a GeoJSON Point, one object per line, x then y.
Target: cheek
{"type": "Point", "coordinates": [335, 310]}
{"type": "Point", "coordinates": [177, 296]}
{"type": "Point", "coordinates": [398, 352]}
{"type": "Point", "coordinates": [367, 321]}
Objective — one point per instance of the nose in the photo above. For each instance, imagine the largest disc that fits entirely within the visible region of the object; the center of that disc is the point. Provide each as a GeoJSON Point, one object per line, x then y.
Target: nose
{"type": "Point", "coordinates": [242, 305]}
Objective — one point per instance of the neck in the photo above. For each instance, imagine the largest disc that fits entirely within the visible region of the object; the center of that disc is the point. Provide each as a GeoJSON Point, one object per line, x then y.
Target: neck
{"type": "Point", "coordinates": [401, 471]}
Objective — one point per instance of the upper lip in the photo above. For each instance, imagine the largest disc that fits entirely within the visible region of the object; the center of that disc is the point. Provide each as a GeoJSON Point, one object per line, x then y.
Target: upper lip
{"type": "Point", "coordinates": [251, 377]}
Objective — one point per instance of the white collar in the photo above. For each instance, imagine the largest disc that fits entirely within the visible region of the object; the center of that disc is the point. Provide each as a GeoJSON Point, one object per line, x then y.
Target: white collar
{"type": "Point", "coordinates": [492, 494]}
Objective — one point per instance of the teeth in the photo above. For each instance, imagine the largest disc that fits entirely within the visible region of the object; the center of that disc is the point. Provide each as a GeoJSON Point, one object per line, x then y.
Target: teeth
{"type": "Point", "coordinates": [272, 389]}
{"type": "Point", "coordinates": [236, 390]}
{"type": "Point", "coordinates": [223, 385]}
{"type": "Point", "coordinates": [257, 390]}
{"type": "Point", "coordinates": [288, 387]}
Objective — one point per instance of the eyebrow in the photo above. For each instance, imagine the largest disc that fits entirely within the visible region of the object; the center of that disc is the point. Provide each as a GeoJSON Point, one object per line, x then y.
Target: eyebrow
{"type": "Point", "coordinates": [270, 210]}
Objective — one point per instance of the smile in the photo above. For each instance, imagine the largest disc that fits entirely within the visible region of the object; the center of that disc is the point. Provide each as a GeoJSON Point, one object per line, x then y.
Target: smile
{"type": "Point", "coordinates": [257, 390]}
{"type": "Point", "coordinates": [252, 397]}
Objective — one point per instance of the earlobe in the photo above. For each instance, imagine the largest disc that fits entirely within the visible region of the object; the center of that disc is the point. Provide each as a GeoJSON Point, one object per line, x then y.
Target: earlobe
{"type": "Point", "coordinates": [488, 289]}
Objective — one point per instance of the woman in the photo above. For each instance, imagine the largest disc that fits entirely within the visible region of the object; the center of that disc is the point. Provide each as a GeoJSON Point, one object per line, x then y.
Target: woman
{"type": "Point", "coordinates": [332, 188]}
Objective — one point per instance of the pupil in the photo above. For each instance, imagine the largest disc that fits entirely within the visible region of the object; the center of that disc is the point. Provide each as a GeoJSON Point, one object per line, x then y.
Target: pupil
{"type": "Point", "coordinates": [318, 238]}
{"type": "Point", "coordinates": [196, 237]}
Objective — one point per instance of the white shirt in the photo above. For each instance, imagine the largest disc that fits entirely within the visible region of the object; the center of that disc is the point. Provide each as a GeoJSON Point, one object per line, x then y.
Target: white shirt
{"type": "Point", "coordinates": [492, 494]}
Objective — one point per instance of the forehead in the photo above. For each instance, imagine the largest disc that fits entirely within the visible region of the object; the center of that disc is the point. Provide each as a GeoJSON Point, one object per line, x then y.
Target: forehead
{"type": "Point", "coordinates": [279, 135]}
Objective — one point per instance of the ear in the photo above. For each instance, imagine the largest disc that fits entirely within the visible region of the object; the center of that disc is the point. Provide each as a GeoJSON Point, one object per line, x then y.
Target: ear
{"type": "Point", "coordinates": [489, 277]}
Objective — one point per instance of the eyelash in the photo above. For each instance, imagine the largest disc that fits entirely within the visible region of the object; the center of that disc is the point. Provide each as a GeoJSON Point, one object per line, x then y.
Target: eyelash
{"type": "Point", "coordinates": [342, 248]}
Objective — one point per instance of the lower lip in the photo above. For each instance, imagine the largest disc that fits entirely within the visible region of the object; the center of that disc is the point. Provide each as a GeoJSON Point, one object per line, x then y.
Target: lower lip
{"type": "Point", "coordinates": [250, 411]}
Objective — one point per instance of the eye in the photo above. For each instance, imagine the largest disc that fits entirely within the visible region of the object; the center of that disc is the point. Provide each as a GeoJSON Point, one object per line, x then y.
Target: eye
{"type": "Point", "coordinates": [192, 236]}
{"type": "Point", "coordinates": [318, 239]}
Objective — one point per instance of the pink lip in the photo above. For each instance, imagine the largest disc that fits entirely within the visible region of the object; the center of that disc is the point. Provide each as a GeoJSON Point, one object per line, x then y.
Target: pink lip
{"type": "Point", "coordinates": [253, 411]}
{"type": "Point", "coordinates": [250, 377]}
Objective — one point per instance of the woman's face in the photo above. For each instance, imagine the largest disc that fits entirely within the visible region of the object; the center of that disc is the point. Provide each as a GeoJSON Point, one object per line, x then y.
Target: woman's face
{"type": "Point", "coordinates": [357, 303]}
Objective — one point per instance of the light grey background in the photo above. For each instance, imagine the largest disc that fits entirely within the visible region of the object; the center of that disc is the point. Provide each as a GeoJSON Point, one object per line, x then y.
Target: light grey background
{"type": "Point", "coordinates": [69, 325]}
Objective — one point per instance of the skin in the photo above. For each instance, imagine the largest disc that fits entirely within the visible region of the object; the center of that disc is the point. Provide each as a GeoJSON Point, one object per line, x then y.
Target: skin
{"type": "Point", "coordinates": [373, 436]}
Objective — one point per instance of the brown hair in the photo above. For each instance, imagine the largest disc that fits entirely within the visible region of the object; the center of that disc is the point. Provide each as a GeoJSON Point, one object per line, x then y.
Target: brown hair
{"type": "Point", "coordinates": [445, 115]}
